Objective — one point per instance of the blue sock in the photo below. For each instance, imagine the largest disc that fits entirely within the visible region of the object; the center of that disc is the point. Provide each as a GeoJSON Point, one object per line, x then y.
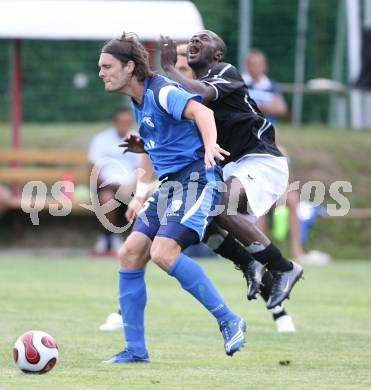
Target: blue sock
{"type": "Point", "coordinates": [133, 299]}
{"type": "Point", "coordinates": [193, 279]}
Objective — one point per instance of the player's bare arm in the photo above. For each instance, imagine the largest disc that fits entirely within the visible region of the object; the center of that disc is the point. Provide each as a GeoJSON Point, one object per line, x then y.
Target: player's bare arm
{"type": "Point", "coordinates": [144, 181]}
{"type": "Point", "coordinates": [168, 61]}
{"type": "Point", "coordinates": [134, 144]}
{"type": "Point", "coordinates": [204, 118]}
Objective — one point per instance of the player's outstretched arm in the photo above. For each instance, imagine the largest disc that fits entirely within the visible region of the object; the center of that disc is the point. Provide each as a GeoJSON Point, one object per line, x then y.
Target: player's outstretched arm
{"type": "Point", "coordinates": [168, 61]}
{"type": "Point", "coordinates": [144, 185]}
{"type": "Point", "coordinates": [204, 118]}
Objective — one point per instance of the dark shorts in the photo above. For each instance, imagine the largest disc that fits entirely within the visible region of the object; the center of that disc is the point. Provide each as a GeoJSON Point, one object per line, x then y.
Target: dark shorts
{"type": "Point", "coordinates": [180, 207]}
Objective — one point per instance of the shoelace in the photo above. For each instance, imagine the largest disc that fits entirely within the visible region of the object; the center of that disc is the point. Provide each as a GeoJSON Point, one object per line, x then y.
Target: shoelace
{"type": "Point", "coordinates": [123, 353]}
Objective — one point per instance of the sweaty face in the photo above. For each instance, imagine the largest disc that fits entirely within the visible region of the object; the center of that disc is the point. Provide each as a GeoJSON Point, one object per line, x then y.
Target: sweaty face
{"type": "Point", "coordinates": [201, 49]}
{"type": "Point", "coordinates": [113, 73]}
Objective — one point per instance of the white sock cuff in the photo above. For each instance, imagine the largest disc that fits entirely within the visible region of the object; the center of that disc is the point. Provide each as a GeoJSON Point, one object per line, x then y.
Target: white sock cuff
{"type": "Point", "coordinates": [276, 309]}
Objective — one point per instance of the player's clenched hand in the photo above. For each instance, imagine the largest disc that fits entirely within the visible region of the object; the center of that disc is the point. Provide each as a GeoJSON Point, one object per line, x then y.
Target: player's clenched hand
{"type": "Point", "coordinates": [134, 207]}
{"type": "Point", "coordinates": [133, 144]}
{"type": "Point", "coordinates": [212, 152]}
{"type": "Point", "coordinates": [168, 54]}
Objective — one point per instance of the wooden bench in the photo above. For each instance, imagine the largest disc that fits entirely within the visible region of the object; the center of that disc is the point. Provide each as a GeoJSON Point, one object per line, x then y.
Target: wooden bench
{"type": "Point", "coordinates": [52, 165]}
{"type": "Point", "coordinates": [19, 166]}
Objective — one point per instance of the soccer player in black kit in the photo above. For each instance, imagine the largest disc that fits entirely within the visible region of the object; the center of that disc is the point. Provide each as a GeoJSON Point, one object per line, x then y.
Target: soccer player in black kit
{"type": "Point", "coordinates": [256, 173]}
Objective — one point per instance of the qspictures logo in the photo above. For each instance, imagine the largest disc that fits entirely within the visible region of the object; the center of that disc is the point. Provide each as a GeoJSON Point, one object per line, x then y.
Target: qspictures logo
{"type": "Point", "coordinates": [36, 193]}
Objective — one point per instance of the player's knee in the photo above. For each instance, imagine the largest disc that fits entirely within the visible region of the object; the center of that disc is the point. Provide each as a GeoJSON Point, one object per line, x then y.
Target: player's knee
{"type": "Point", "coordinates": [162, 257]}
{"type": "Point", "coordinates": [129, 257]}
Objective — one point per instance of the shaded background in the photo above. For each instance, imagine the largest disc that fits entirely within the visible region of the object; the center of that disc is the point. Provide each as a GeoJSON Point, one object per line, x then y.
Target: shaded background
{"type": "Point", "coordinates": [60, 80]}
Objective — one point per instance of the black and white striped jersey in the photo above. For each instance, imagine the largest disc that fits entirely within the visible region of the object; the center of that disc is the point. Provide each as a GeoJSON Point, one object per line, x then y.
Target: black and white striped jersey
{"type": "Point", "coordinates": [242, 128]}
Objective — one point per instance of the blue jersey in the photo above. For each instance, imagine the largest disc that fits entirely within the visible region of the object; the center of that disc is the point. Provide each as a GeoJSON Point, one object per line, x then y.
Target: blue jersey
{"type": "Point", "coordinates": [171, 142]}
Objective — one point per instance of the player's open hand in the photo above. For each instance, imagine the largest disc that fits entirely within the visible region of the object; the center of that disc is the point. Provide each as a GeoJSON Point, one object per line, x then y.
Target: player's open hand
{"type": "Point", "coordinates": [133, 144]}
{"type": "Point", "coordinates": [134, 207]}
{"type": "Point", "coordinates": [212, 152]}
{"type": "Point", "coordinates": [168, 54]}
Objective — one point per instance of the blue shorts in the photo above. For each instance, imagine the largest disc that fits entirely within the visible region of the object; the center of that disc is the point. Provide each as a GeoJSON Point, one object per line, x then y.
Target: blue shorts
{"type": "Point", "coordinates": [180, 207]}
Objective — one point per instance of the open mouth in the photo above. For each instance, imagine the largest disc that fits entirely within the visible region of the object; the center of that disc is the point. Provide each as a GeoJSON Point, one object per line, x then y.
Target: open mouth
{"type": "Point", "coordinates": [193, 50]}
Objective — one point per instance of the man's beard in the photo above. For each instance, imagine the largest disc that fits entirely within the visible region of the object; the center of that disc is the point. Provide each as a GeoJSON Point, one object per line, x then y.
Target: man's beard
{"type": "Point", "coordinates": [203, 62]}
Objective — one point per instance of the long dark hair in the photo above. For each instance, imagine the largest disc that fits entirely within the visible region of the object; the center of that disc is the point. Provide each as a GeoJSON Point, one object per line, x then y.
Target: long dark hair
{"type": "Point", "coordinates": [128, 48]}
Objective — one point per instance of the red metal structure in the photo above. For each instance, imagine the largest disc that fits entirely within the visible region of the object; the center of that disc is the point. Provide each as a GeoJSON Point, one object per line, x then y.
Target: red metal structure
{"type": "Point", "coordinates": [62, 20]}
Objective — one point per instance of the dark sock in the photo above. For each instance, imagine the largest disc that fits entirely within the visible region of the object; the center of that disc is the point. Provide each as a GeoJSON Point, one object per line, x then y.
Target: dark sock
{"type": "Point", "coordinates": [272, 257]}
{"type": "Point", "coordinates": [280, 314]}
{"type": "Point", "coordinates": [265, 290]}
{"type": "Point", "coordinates": [232, 250]}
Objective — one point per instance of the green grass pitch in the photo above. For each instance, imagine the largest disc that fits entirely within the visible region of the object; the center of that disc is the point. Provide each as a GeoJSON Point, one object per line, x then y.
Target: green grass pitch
{"type": "Point", "coordinates": [70, 297]}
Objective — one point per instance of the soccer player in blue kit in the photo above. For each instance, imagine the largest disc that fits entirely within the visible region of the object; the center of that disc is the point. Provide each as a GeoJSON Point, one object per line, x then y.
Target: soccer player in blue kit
{"type": "Point", "coordinates": [179, 135]}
